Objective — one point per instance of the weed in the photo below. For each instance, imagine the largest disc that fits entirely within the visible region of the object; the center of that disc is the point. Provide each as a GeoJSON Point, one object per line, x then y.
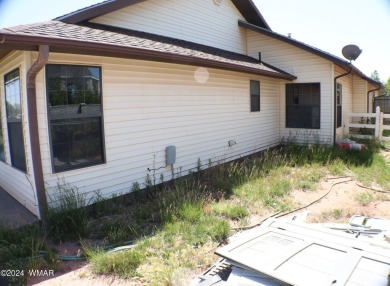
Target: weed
{"type": "Point", "coordinates": [148, 181]}
{"type": "Point", "coordinates": [67, 217]}
{"type": "Point", "coordinates": [230, 210]}
{"type": "Point", "coordinates": [123, 264]}
{"type": "Point", "coordinates": [338, 215]}
{"type": "Point", "coordinates": [135, 187]}
{"type": "Point", "coordinates": [119, 231]}
{"type": "Point", "coordinates": [101, 206]}
{"type": "Point", "coordinates": [20, 249]}
{"type": "Point", "coordinates": [179, 224]}
{"type": "Point", "coordinates": [364, 198]}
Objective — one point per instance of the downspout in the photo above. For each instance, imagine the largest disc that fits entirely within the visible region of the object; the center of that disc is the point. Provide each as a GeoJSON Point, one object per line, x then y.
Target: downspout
{"type": "Point", "coordinates": [335, 103]}
{"type": "Point", "coordinates": [43, 57]}
{"type": "Point", "coordinates": [368, 98]}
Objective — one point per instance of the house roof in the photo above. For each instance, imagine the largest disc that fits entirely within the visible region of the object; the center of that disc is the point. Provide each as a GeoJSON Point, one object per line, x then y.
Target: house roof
{"type": "Point", "coordinates": [338, 61]}
{"type": "Point", "coordinates": [246, 7]}
{"type": "Point", "coordinates": [69, 38]}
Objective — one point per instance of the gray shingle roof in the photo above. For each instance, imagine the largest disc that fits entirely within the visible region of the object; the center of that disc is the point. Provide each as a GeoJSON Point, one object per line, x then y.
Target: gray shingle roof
{"type": "Point", "coordinates": [54, 31]}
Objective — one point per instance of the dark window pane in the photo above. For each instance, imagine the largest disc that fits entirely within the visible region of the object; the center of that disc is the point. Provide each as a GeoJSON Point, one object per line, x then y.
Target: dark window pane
{"type": "Point", "coordinates": [339, 115]}
{"type": "Point", "coordinates": [2, 156]}
{"type": "Point", "coordinates": [255, 95]}
{"type": "Point", "coordinates": [14, 120]}
{"type": "Point", "coordinates": [16, 142]}
{"type": "Point", "coordinates": [76, 142]}
{"type": "Point", "coordinates": [303, 105]}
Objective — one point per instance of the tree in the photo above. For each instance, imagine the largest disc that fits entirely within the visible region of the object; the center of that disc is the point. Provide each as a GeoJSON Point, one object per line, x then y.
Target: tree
{"type": "Point", "coordinates": [375, 76]}
{"type": "Point", "coordinates": [387, 86]}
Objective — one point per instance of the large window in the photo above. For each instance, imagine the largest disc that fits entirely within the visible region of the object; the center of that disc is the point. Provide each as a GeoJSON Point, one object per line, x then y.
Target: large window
{"type": "Point", "coordinates": [75, 112]}
{"type": "Point", "coordinates": [255, 95]}
{"type": "Point", "coordinates": [303, 105]}
{"type": "Point", "coordinates": [14, 120]}
{"type": "Point", "coordinates": [339, 101]}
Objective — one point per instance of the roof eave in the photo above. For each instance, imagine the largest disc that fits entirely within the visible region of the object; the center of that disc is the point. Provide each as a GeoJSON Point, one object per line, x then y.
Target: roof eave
{"type": "Point", "coordinates": [31, 43]}
{"type": "Point", "coordinates": [251, 14]}
{"type": "Point", "coordinates": [95, 11]}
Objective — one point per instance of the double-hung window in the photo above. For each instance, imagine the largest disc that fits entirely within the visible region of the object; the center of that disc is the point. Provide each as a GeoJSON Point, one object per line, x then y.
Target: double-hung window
{"type": "Point", "coordinates": [303, 105]}
{"type": "Point", "coordinates": [75, 116]}
{"type": "Point", "coordinates": [14, 120]}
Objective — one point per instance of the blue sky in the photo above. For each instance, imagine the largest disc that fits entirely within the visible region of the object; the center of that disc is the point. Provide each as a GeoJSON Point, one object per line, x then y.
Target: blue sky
{"type": "Point", "coordinates": [325, 24]}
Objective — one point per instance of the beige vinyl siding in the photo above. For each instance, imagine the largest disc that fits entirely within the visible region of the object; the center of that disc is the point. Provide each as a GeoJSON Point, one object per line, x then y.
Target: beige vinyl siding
{"type": "Point", "coordinates": [199, 21]}
{"type": "Point", "coordinates": [372, 95]}
{"type": "Point", "coordinates": [308, 68]}
{"type": "Point", "coordinates": [359, 94]}
{"type": "Point", "coordinates": [149, 106]}
{"type": "Point", "coordinates": [15, 182]}
{"type": "Point", "coordinates": [347, 100]}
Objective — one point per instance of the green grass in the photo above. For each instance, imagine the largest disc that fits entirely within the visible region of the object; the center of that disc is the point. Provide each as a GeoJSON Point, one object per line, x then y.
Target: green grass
{"type": "Point", "coordinates": [19, 250]}
{"type": "Point", "coordinates": [230, 209]}
{"type": "Point", "coordinates": [123, 264]}
{"type": "Point", "coordinates": [364, 198]}
{"type": "Point", "coordinates": [177, 225]}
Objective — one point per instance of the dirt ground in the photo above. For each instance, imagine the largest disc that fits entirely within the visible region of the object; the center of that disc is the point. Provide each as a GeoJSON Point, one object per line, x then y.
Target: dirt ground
{"type": "Point", "coordinates": [339, 204]}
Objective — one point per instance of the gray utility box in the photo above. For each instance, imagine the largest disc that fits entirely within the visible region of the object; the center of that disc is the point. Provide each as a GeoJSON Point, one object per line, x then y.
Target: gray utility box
{"type": "Point", "coordinates": [170, 155]}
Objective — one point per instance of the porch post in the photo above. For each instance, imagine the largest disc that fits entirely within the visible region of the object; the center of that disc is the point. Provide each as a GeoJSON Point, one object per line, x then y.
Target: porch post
{"type": "Point", "coordinates": [378, 123]}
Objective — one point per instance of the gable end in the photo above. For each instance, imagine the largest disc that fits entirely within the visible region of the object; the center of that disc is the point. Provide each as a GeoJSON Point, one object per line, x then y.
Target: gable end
{"type": "Point", "coordinates": [246, 7]}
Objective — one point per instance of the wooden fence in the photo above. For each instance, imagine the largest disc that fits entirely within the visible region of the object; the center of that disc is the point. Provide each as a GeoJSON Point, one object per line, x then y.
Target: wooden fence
{"type": "Point", "coordinates": [374, 123]}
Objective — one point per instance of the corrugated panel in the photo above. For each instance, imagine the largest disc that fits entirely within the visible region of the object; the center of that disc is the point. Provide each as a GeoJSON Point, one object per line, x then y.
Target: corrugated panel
{"type": "Point", "coordinates": [308, 68]}
{"type": "Point", "coordinates": [200, 21]}
{"type": "Point", "coordinates": [148, 106]}
{"type": "Point", "coordinates": [15, 182]}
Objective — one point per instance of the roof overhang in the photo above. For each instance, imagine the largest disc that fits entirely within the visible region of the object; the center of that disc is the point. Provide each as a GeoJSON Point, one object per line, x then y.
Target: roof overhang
{"type": "Point", "coordinates": [10, 42]}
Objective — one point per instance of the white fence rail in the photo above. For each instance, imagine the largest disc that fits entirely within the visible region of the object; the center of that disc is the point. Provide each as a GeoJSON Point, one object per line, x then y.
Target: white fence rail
{"type": "Point", "coordinates": [378, 124]}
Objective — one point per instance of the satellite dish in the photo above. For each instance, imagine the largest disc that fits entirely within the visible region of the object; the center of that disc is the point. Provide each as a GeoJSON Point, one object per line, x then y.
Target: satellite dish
{"type": "Point", "coordinates": [351, 52]}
